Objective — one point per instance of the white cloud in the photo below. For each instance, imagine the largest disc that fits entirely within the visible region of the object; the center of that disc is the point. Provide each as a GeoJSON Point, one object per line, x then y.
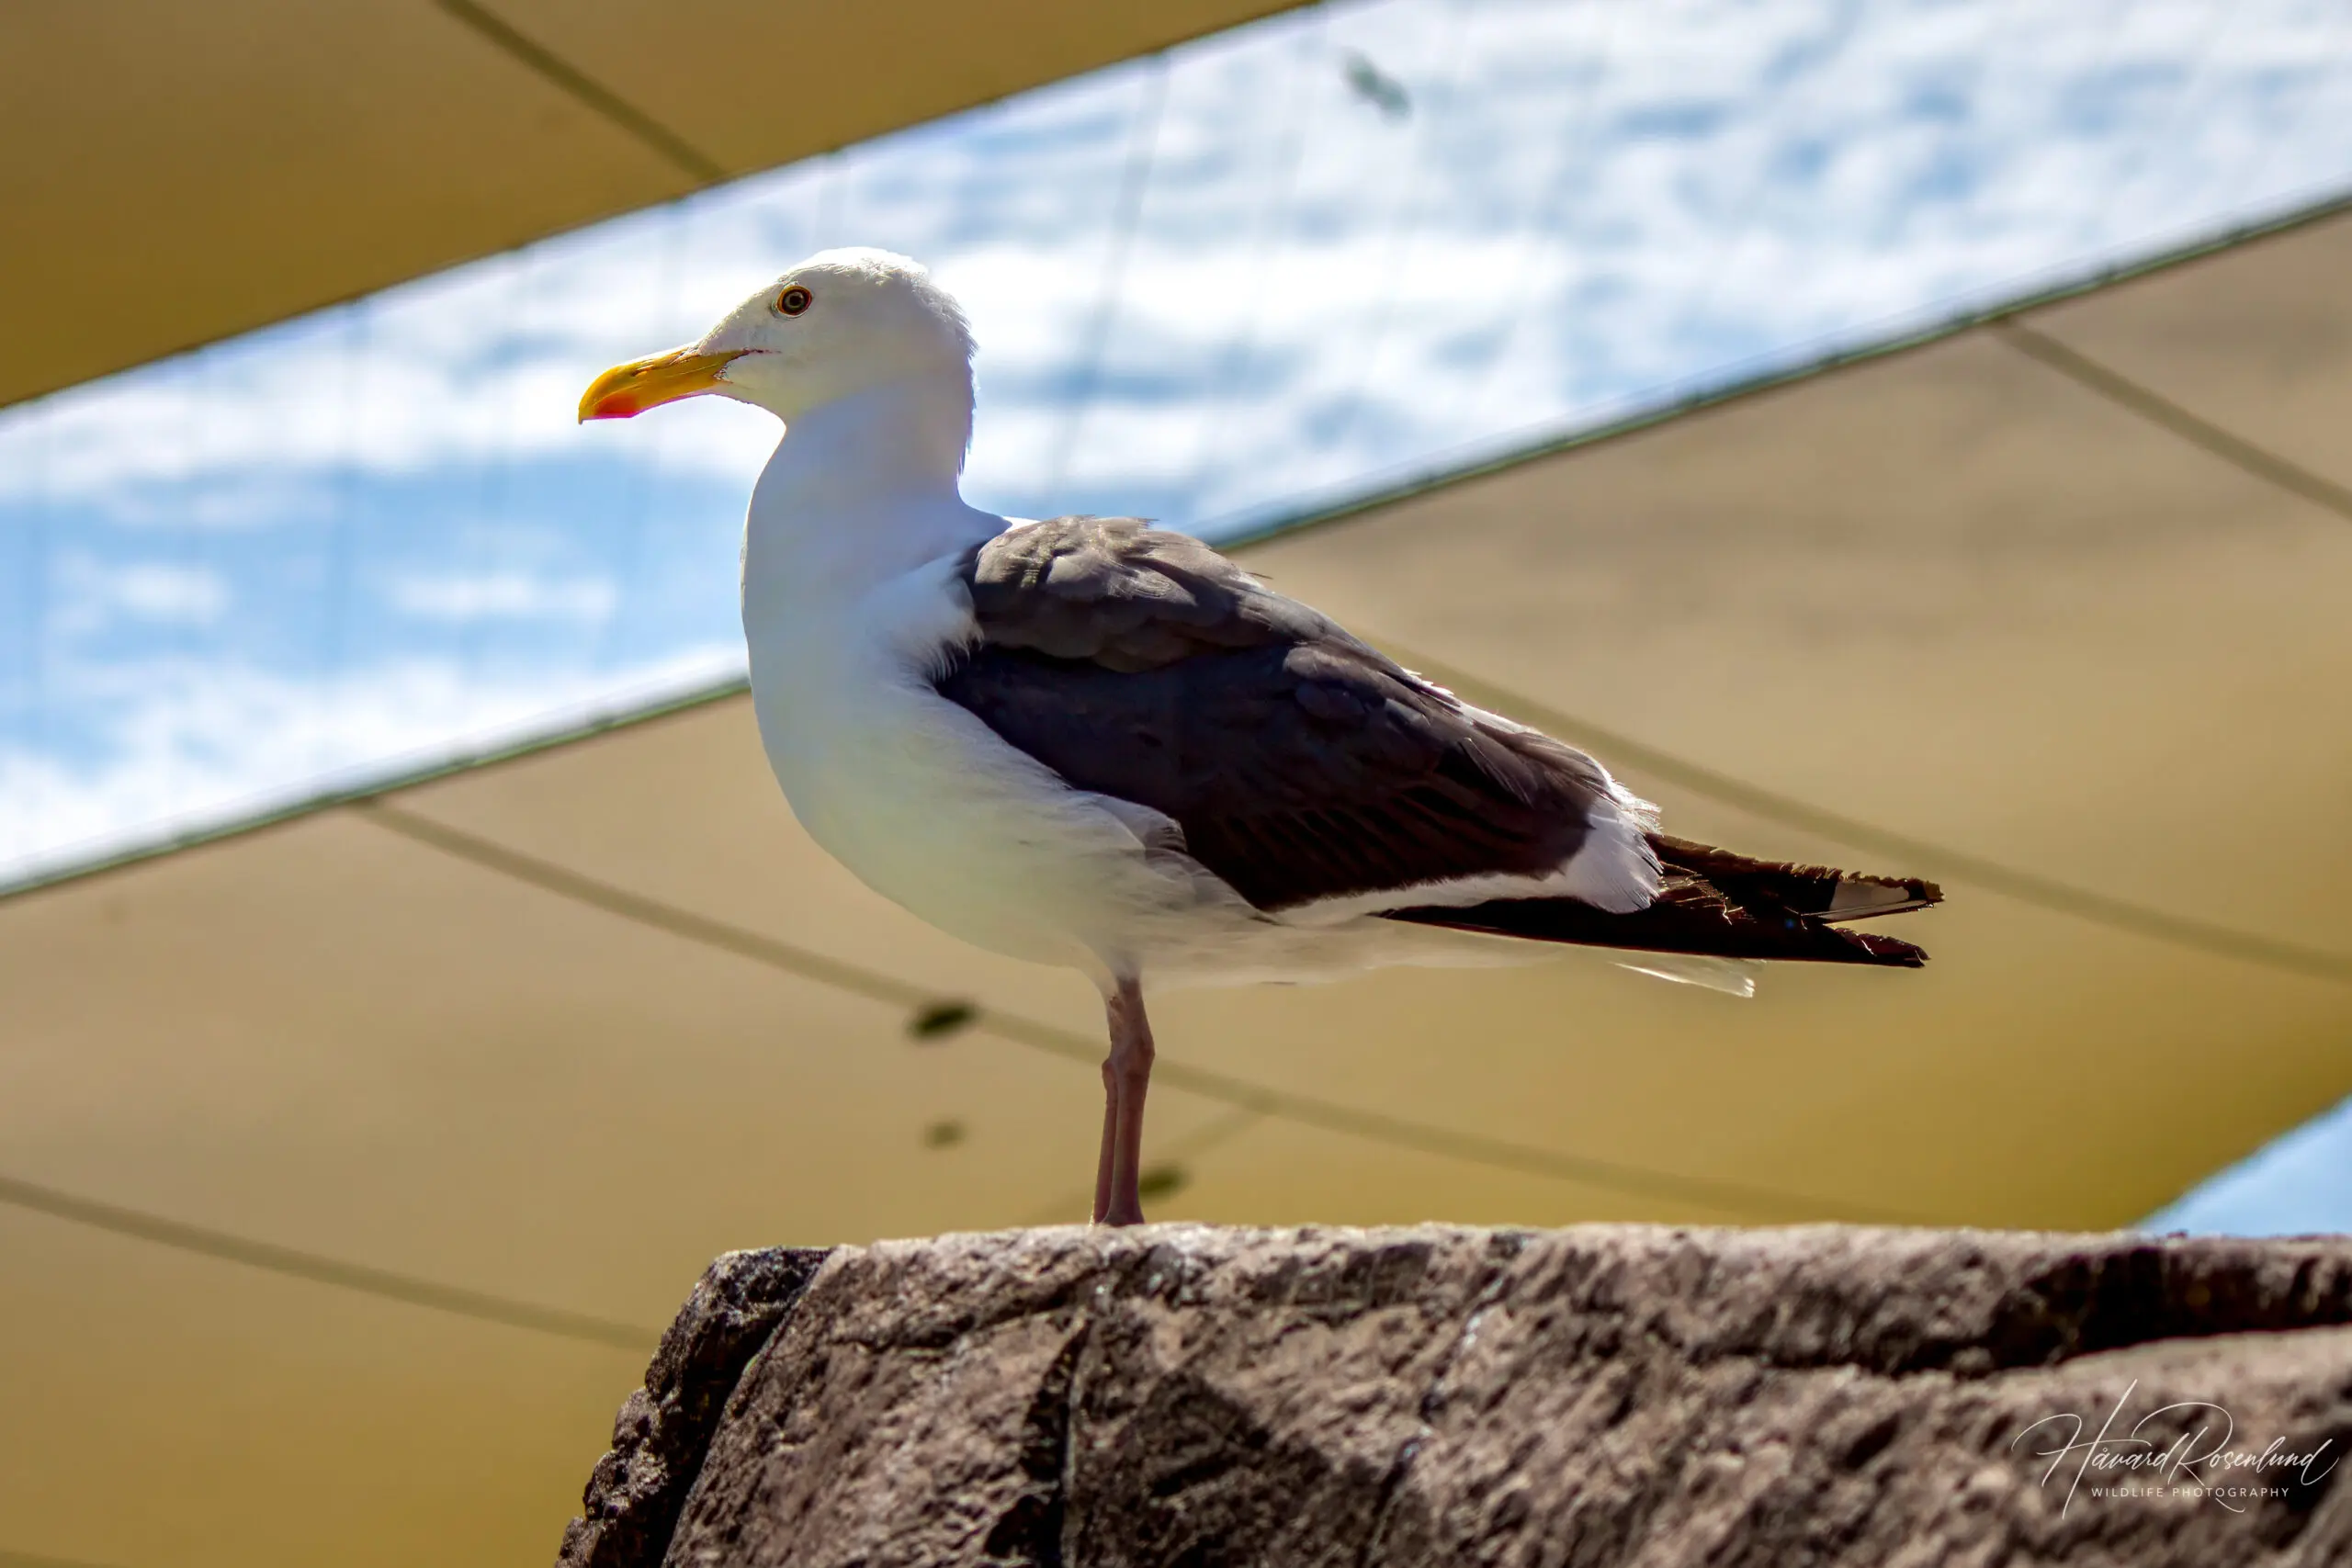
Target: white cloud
{"type": "Point", "coordinates": [173, 748]}
{"type": "Point", "coordinates": [93, 593]}
{"type": "Point", "coordinates": [170, 593]}
{"type": "Point", "coordinates": [506, 595]}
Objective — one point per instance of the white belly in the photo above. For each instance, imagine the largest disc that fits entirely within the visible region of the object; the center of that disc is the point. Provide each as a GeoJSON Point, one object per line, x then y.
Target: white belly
{"type": "Point", "coordinates": [898, 801]}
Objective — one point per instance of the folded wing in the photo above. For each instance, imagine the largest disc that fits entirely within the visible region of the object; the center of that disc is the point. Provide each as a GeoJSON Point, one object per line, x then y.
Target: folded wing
{"type": "Point", "coordinates": [1306, 767]}
{"type": "Point", "coordinates": [1301, 765]}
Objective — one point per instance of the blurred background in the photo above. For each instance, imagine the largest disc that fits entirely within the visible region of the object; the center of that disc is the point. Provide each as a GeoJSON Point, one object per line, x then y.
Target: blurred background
{"type": "Point", "coordinates": [411, 1105]}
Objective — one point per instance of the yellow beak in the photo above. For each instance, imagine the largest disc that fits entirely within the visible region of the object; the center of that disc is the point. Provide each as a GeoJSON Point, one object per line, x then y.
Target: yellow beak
{"type": "Point", "coordinates": [642, 384]}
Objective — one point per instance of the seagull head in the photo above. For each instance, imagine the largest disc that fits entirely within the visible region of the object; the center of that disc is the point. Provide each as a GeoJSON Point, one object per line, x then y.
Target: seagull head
{"type": "Point", "coordinates": [841, 322]}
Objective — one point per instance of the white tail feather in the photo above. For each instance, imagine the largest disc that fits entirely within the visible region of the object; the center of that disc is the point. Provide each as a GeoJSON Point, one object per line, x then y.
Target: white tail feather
{"type": "Point", "coordinates": [1732, 976]}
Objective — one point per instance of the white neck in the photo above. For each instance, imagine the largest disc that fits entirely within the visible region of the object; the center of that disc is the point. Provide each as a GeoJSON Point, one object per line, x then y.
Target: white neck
{"type": "Point", "coordinates": [861, 489]}
{"type": "Point", "coordinates": [899, 437]}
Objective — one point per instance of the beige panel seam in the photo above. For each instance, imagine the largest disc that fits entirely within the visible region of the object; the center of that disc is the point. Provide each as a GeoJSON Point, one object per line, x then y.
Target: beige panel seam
{"type": "Point", "coordinates": [2173, 419]}
{"type": "Point", "coordinates": [321, 1270]}
{"type": "Point", "coordinates": [585, 90]}
{"type": "Point", "coordinates": [1738, 1199]}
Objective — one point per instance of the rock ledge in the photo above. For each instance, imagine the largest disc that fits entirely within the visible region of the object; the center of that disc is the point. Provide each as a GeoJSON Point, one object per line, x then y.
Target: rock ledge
{"type": "Point", "coordinates": [1597, 1395]}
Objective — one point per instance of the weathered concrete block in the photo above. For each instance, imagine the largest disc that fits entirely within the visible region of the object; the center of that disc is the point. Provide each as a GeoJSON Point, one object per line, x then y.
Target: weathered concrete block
{"type": "Point", "coordinates": [1598, 1395]}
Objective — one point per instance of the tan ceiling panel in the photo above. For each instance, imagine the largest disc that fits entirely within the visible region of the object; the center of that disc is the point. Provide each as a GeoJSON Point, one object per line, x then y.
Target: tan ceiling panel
{"type": "Point", "coordinates": [207, 169]}
{"type": "Point", "coordinates": [191, 1412]}
{"type": "Point", "coordinates": [814, 76]}
{"type": "Point", "coordinates": [460, 1076]}
{"type": "Point", "coordinates": [2241, 346]}
{"type": "Point", "coordinates": [741, 859]}
{"type": "Point", "coordinates": [183, 173]}
{"type": "Point", "coordinates": [556, 1029]}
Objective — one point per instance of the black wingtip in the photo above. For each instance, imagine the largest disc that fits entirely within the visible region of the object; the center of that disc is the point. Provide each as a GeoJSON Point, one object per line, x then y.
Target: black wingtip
{"type": "Point", "coordinates": [1815, 892]}
{"type": "Point", "coordinates": [1892, 952]}
{"type": "Point", "coordinates": [1689, 917]}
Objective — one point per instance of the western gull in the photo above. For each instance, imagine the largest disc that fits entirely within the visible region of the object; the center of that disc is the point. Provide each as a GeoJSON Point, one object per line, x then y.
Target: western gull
{"type": "Point", "coordinates": [1091, 743]}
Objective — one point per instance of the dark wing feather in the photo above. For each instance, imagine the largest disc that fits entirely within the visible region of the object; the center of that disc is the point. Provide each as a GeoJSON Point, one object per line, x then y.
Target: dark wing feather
{"type": "Point", "coordinates": [1818, 891]}
{"type": "Point", "coordinates": [1720, 904]}
{"type": "Point", "coordinates": [1301, 763]}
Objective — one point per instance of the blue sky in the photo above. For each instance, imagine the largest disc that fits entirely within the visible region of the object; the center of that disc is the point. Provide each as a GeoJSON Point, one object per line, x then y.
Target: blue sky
{"type": "Point", "coordinates": [1217, 288]}
{"type": "Point", "coordinates": [2301, 1184]}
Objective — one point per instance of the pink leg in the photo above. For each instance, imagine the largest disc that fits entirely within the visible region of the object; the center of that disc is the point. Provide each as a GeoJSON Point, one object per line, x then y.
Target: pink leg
{"type": "Point", "coordinates": [1126, 1077]}
{"type": "Point", "coordinates": [1110, 1136]}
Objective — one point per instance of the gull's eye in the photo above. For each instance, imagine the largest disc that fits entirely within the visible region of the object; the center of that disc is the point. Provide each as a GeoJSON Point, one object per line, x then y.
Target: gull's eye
{"type": "Point", "coordinates": [793, 300]}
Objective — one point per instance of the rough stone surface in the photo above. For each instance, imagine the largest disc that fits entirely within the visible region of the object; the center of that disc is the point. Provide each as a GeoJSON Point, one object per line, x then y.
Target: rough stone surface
{"type": "Point", "coordinates": [665, 1427]}
{"type": "Point", "coordinates": [1598, 1396]}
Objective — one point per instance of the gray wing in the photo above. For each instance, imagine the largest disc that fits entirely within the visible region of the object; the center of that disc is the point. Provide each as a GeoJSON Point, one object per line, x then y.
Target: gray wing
{"type": "Point", "coordinates": [1301, 763]}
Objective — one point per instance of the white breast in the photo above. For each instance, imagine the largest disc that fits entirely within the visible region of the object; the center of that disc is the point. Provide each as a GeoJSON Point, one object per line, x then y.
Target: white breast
{"type": "Point", "coordinates": [923, 802]}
